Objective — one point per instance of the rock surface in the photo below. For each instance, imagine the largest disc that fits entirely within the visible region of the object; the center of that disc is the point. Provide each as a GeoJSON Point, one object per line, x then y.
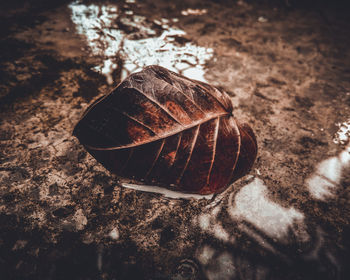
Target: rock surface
{"type": "Point", "coordinates": [63, 216]}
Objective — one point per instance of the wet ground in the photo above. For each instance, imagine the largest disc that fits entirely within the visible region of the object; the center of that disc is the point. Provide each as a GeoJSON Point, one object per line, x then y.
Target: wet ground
{"type": "Point", "coordinates": [286, 67]}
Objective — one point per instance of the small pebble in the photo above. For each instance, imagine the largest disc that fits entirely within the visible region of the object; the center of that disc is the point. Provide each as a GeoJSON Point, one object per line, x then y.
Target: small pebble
{"type": "Point", "coordinates": [114, 234]}
{"type": "Point", "coordinates": [262, 19]}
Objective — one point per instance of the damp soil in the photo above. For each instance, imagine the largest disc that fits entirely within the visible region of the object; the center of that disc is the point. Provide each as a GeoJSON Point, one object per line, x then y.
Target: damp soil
{"type": "Point", "coordinates": [63, 216]}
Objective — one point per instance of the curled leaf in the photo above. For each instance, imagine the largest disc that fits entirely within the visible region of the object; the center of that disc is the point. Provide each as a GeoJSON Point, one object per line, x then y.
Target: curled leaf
{"type": "Point", "coordinates": [165, 129]}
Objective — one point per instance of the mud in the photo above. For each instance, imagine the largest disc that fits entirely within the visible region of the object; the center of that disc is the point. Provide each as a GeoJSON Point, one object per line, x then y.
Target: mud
{"type": "Point", "coordinates": [286, 66]}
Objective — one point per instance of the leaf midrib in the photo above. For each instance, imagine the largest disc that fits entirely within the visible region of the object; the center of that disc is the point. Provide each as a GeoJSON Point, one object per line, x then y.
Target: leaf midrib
{"type": "Point", "coordinates": [159, 137]}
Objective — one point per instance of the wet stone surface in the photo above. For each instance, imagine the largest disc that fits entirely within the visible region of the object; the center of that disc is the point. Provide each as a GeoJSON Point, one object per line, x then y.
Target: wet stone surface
{"type": "Point", "coordinates": [286, 67]}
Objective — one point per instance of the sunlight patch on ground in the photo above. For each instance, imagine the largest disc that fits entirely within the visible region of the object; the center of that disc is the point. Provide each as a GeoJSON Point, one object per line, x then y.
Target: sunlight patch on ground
{"type": "Point", "coordinates": [142, 46]}
{"type": "Point", "coordinates": [253, 205]}
{"type": "Point", "coordinates": [165, 192]}
{"type": "Point", "coordinates": [210, 223]}
{"type": "Point", "coordinates": [328, 175]}
{"type": "Point", "coordinates": [343, 134]}
{"type": "Point", "coordinates": [194, 12]}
